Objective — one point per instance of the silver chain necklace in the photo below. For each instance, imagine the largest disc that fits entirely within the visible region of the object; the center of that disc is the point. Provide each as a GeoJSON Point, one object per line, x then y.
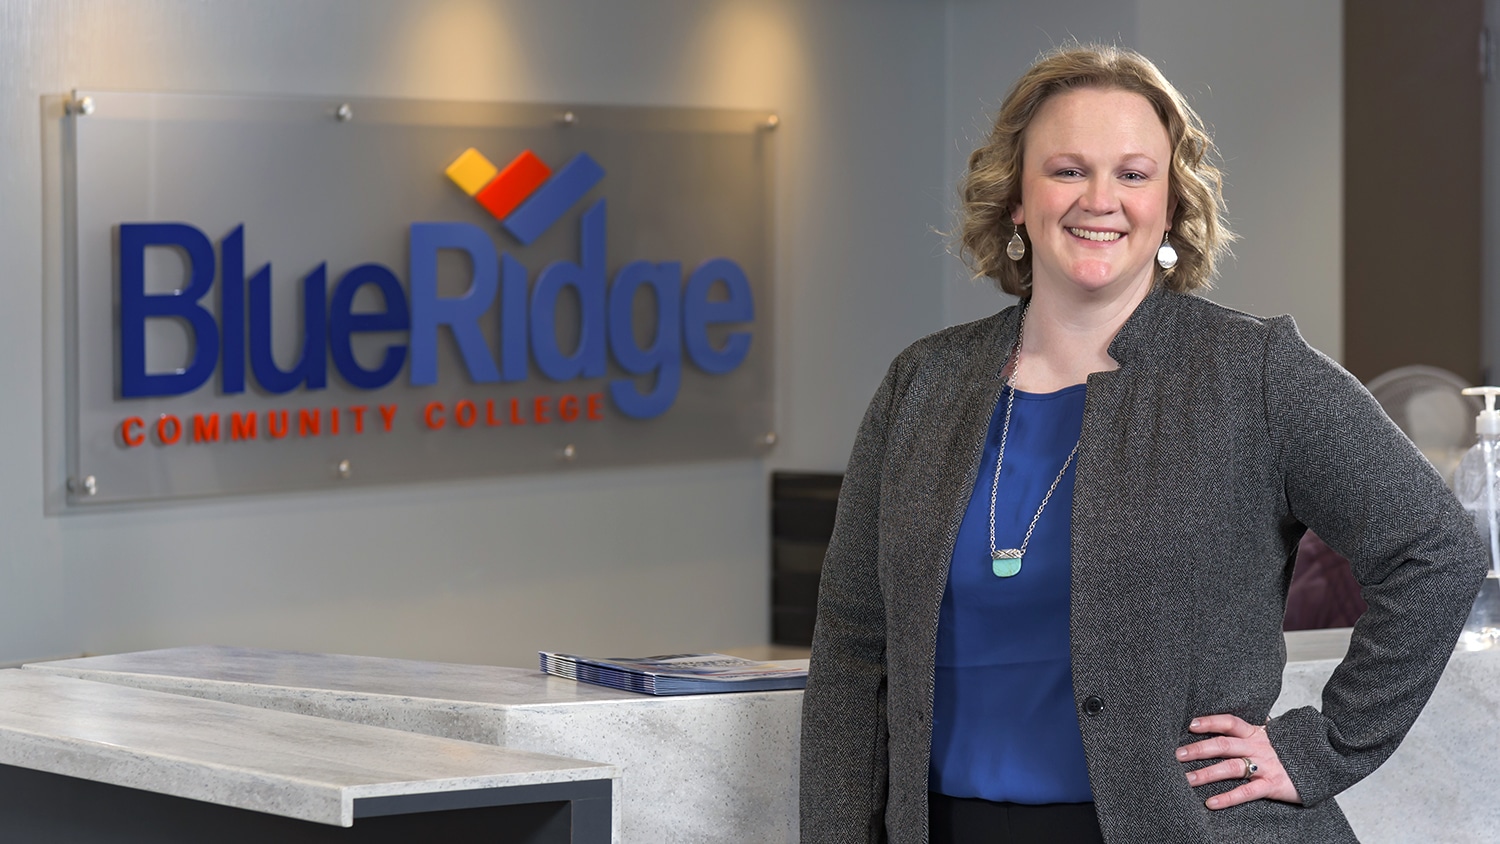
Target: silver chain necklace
{"type": "Point", "coordinates": [1006, 562]}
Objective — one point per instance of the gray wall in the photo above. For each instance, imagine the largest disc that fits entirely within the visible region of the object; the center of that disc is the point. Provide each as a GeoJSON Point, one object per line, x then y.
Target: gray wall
{"type": "Point", "coordinates": [879, 102]}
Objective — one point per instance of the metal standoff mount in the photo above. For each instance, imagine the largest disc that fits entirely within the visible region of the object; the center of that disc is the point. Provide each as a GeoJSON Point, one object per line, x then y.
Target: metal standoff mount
{"type": "Point", "coordinates": [344, 113]}
{"type": "Point", "coordinates": [81, 106]}
{"type": "Point", "coordinates": [569, 452]}
{"type": "Point", "coordinates": [88, 485]}
{"type": "Point", "coordinates": [567, 118]}
{"type": "Point", "coordinates": [772, 121]}
{"type": "Point", "coordinates": [345, 470]}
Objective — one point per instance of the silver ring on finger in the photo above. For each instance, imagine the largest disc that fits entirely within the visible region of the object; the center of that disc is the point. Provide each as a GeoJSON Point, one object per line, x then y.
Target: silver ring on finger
{"type": "Point", "coordinates": [1250, 767]}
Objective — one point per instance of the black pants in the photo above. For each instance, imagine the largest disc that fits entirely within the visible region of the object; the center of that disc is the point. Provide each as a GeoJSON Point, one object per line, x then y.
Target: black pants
{"type": "Point", "coordinates": [965, 820]}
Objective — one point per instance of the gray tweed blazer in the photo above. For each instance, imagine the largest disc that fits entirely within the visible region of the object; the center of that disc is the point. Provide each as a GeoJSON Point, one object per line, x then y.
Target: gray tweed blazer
{"type": "Point", "coordinates": [1205, 456]}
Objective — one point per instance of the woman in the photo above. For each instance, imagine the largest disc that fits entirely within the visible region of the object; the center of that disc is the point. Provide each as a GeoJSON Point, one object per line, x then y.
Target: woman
{"type": "Point", "coordinates": [1052, 604]}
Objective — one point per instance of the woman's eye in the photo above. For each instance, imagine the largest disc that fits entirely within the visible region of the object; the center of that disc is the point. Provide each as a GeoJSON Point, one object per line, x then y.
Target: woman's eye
{"type": "Point", "coordinates": [1134, 177]}
{"type": "Point", "coordinates": [1070, 172]}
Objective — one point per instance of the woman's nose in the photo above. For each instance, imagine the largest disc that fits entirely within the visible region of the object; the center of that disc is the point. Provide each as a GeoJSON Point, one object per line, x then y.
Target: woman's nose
{"type": "Point", "coordinates": [1099, 196]}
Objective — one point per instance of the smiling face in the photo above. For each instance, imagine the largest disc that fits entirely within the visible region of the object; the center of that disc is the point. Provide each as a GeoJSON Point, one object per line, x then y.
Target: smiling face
{"type": "Point", "coordinates": [1094, 192]}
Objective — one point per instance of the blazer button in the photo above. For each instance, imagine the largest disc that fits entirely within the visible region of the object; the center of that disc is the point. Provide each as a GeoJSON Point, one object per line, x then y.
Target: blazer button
{"type": "Point", "coordinates": [1093, 705]}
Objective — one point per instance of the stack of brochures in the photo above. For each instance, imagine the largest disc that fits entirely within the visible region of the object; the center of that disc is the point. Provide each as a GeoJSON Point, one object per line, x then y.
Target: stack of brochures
{"type": "Point", "coordinates": [679, 674]}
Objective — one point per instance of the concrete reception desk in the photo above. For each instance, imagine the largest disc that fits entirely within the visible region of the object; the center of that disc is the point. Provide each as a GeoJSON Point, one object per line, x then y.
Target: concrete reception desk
{"type": "Point", "coordinates": [722, 768]}
{"type": "Point", "coordinates": [699, 768]}
{"type": "Point", "coordinates": [85, 762]}
{"type": "Point", "coordinates": [1442, 785]}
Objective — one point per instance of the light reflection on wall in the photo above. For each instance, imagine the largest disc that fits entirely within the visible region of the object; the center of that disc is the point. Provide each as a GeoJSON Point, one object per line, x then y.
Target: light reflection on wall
{"type": "Point", "coordinates": [744, 55]}
{"type": "Point", "coordinates": [459, 49]}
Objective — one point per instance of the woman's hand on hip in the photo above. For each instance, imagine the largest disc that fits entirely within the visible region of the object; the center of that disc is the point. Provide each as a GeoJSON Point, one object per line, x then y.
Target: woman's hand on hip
{"type": "Point", "coordinates": [1245, 753]}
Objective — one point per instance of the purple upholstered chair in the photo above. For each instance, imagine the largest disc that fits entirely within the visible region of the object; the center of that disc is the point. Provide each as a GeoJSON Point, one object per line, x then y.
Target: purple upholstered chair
{"type": "Point", "coordinates": [1324, 592]}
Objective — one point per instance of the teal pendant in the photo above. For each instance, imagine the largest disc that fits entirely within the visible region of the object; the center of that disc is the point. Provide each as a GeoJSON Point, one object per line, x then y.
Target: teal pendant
{"type": "Point", "coordinates": [1007, 562]}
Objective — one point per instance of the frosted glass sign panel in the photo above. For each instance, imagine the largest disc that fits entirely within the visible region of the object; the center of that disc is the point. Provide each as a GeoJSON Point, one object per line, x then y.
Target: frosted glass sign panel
{"type": "Point", "coordinates": [284, 293]}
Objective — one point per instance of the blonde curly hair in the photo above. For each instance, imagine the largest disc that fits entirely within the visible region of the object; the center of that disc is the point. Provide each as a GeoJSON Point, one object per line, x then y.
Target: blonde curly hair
{"type": "Point", "coordinates": [992, 187]}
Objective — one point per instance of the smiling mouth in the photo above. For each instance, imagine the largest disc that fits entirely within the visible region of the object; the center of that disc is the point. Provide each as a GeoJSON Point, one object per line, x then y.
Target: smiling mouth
{"type": "Point", "coordinates": [1099, 237]}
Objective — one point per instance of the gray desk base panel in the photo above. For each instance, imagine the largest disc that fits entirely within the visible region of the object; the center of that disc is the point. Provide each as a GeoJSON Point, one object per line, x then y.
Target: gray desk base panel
{"type": "Point", "coordinates": [40, 807]}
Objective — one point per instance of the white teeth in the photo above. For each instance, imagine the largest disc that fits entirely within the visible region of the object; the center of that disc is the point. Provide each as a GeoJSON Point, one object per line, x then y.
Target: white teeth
{"type": "Point", "coordinates": [1103, 237]}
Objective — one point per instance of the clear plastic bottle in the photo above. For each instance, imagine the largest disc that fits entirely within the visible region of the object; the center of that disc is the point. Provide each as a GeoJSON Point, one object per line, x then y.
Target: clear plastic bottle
{"type": "Point", "coordinates": [1477, 484]}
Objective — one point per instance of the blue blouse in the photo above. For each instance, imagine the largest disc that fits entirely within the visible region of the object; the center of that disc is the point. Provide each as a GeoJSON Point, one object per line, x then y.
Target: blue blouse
{"type": "Point", "coordinates": [1005, 726]}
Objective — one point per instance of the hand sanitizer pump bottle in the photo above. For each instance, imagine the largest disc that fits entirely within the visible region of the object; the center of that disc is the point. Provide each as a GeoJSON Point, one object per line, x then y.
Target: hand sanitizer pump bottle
{"type": "Point", "coordinates": [1477, 484]}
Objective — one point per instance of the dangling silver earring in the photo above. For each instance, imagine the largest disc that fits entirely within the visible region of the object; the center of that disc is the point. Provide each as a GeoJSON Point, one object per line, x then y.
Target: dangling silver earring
{"type": "Point", "coordinates": [1166, 256]}
{"type": "Point", "coordinates": [1016, 248]}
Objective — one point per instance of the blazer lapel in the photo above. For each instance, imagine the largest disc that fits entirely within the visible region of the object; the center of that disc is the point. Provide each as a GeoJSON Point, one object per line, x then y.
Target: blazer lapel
{"type": "Point", "coordinates": [947, 463]}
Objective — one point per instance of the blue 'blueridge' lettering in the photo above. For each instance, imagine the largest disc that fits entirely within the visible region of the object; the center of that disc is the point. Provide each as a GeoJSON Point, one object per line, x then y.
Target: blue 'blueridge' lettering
{"type": "Point", "coordinates": [683, 313]}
